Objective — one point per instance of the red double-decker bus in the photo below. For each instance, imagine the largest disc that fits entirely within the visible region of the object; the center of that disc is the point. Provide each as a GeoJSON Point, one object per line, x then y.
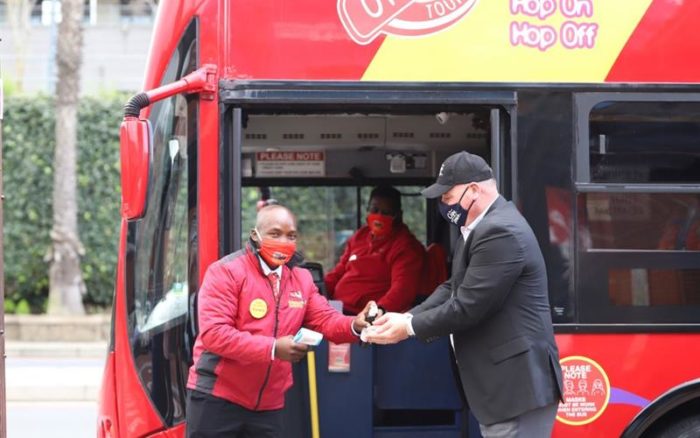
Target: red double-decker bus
{"type": "Point", "coordinates": [587, 110]}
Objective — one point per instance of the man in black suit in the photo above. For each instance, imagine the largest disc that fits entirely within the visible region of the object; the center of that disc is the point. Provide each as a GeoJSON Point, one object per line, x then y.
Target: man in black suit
{"type": "Point", "coordinates": [495, 307]}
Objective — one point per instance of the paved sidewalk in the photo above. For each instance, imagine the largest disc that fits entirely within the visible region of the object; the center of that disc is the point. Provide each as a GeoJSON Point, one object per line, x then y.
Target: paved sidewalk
{"type": "Point", "coordinates": [51, 419]}
{"type": "Point", "coordinates": [53, 371]}
{"type": "Point", "coordinates": [20, 349]}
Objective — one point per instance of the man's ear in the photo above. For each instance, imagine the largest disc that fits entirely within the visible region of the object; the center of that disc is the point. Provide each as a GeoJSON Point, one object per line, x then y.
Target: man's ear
{"type": "Point", "coordinates": [472, 189]}
{"type": "Point", "coordinates": [254, 235]}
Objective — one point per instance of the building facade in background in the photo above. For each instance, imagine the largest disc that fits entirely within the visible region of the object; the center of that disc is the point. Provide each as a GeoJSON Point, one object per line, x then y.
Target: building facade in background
{"type": "Point", "coordinates": [116, 39]}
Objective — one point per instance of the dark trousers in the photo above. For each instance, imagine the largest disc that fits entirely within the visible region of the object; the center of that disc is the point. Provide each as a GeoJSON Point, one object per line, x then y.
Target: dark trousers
{"type": "Point", "coordinates": [537, 423]}
{"type": "Point", "coordinates": [214, 417]}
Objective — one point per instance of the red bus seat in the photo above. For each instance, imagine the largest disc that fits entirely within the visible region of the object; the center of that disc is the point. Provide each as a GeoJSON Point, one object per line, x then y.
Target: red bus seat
{"type": "Point", "coordinates": [435, 270]}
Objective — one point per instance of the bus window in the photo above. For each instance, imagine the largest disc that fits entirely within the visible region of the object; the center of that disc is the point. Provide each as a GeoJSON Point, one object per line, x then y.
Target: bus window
{"type": "Point", "coordinates": [645, 142]}
{"type": "Point", "coordinates": [351, 152]}
{"type": "Point", "coordinates": [638, 235]}
{"type": "Point", "coordinates": [654, 287]}
{"type": "Point", "coordinates": [414, 207]}
{"type": "Point", "coordinates": [641, 221]}
{"type": "Point", "coordinates": [324, 165]}
{"type": "Point", "coordinates": [328, 216]}
{"type": "Point", "coordinates": [161, 260]}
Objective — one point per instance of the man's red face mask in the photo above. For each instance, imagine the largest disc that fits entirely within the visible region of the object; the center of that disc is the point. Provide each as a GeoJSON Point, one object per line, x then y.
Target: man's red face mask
{"type": "Point", "coordinates": [380, 224]}
{"type": "Point", "coordinates": [275, 252]}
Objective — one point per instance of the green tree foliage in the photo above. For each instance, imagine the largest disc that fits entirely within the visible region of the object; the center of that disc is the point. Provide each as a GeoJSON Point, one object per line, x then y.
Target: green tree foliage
{"type": "Point", "coordinates": [28, 147]}
{"type": "Point", "coordinates": [327, 215]}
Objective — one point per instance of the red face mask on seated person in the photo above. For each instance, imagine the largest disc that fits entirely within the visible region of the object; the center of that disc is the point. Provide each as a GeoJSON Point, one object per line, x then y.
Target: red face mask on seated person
{"type": "Point", "coordinates": [274, 252]}
{"type": "Point", "coordinates": [380, 224]}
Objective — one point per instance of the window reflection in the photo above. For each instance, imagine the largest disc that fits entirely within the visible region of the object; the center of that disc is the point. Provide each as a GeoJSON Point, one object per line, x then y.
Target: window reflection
{"type": "Point", "coordinates": [643, 142]}
{"type": "Point", "coordinates": [165, 306]}
{"type": "Point", "coordinates": [668, 222]}
{"type": "Point", "coordinates": [161, 260]}
{"type": "Point", "coordinates": [654, 287]}
{"type": "Point", "coordinates": [327, 216]}
{"type": "Point", "coordinates": [641, 221]}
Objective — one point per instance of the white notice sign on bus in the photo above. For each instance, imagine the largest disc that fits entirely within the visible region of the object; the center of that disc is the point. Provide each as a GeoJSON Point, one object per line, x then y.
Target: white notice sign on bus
{"type": "Point", "coordinates": [290, 164]}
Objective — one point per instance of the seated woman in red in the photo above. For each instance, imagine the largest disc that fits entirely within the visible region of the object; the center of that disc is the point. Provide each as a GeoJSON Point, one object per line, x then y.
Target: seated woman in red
{"type": "Point", "coordinates": [382, 261]}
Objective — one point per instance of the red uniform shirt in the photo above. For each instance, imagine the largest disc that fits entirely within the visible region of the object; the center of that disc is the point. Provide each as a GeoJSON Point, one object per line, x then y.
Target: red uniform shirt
{"type": "Point", "coordinates": [239, 319]}
{"type": "Point", "coordinates": [387, 270]}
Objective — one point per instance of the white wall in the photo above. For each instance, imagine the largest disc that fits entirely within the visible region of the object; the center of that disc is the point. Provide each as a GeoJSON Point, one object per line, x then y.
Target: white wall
{"type": "Point", "coordinates": [114, 53]}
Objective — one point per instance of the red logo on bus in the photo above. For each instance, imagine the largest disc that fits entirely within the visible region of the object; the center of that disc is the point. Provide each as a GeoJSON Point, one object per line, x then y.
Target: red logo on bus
{"type": "Point", "coordinates": [365, 20]}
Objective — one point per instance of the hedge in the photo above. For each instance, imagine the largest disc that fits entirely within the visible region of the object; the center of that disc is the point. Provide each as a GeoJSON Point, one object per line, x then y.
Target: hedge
{"type": "Point", "coordinates": [28, 144]}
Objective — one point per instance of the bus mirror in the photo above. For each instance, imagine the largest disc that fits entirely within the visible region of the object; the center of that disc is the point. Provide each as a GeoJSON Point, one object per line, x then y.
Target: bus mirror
{"type": "Point", "coordinates": [135, 145]}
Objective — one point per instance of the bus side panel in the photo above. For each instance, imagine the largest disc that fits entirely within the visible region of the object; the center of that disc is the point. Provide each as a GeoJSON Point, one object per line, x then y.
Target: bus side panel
{"type": "Point", "coordinates": [136, 414]}
{"type": "Point", "coordinates": [643, 41]}
{"type": "Point", "coordinates": [659, 51]}
{"type": "Point", "coordinates": [544, 190]}
{"type": "Point", "coordinates": [627, 360]}
{"type": "Point", "coordinates": [208, 153]}
{"type": "Point", "coordinates": [171, 21]}
{"type": "Point", "coordinates": [302, 40]}
{"type": "Point", "coordinates": [107, 426]}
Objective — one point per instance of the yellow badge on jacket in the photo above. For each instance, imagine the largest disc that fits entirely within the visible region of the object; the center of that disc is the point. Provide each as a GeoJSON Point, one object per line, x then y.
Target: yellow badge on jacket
{"type": "Point", "coordinates": [258, 308]}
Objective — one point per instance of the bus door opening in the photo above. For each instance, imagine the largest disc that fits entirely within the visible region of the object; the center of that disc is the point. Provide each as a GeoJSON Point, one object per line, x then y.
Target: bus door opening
{"type": "Point", "coordinates": [323, 166]}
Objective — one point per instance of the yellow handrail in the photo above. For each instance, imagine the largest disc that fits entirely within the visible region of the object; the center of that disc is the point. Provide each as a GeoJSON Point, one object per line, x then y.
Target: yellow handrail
{"type": "Point", "coordinates": [313, 398]}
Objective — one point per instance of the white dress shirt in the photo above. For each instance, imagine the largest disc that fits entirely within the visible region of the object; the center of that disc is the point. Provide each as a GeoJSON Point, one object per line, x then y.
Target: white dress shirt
{"type": "Point", "coordinates": [468, 229]}
{"type": "Point", "coordinates": [267, 271]}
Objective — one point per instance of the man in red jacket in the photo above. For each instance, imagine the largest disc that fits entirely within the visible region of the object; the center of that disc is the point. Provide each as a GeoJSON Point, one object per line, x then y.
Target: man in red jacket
{"type": "Point", "coordinates": [382, 261]}
{"type": "Point", "coordinates": [251, 303]}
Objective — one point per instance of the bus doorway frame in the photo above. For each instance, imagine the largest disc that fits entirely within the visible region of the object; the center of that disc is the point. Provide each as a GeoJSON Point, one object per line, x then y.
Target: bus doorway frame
{"type": "Point", "coordinates": [236, 97]}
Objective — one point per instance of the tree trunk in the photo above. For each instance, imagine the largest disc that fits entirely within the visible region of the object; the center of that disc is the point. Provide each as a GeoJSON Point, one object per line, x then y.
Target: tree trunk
{"type": "Point", "coordinates": [66, 285]}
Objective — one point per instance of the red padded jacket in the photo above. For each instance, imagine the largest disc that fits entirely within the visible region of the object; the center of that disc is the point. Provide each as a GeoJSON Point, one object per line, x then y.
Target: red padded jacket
{"type": "Point", "coordinates": [239, 320]}
{"type": "Point", "coordinates": [387, 270]}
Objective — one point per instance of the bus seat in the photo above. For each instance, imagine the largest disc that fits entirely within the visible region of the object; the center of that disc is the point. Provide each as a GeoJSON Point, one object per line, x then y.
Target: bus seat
{"type": "Point", "coordinates": [316, 270]}
{"type": "Point", "coordinates": [435, 269]}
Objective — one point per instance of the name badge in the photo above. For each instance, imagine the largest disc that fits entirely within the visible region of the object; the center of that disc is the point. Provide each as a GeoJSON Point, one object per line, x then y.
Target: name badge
{"type": "Point", "coordinates": [258, 308]}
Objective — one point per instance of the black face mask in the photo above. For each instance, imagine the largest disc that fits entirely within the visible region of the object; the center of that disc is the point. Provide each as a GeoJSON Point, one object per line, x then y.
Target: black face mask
{"type": "Point", "coordinates": [455, 213]}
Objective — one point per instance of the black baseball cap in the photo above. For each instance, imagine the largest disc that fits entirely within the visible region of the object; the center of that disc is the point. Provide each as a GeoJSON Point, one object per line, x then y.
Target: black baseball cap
{"type": "Point", "coordinates": [460, 168]}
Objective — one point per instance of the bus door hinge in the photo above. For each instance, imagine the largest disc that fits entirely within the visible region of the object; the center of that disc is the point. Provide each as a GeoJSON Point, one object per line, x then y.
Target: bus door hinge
{"type": "Point", "coordinates": [203, 81]}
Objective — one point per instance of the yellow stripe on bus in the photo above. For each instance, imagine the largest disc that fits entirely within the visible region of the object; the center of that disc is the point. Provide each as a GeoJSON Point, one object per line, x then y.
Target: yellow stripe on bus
{"type": "Point", "coordinates": [479, 47]}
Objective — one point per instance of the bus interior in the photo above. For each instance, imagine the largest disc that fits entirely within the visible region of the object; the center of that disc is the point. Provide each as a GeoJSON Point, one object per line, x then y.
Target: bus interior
{"type": "Point", "coordinates": [329, 194]}
{"type": "Point", "coordinates": [323, 166]}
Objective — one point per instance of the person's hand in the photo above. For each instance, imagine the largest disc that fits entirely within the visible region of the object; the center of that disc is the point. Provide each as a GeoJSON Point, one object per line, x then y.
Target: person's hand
{"type": "Point", "coordinates": [361, 321]}
{"type": "Point", "coordinates": [389, 329]}
{"type": "Point", "coordinates": [287, 349]}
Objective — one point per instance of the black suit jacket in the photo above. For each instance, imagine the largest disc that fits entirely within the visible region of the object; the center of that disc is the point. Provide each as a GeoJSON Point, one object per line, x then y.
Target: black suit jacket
{"type": "Point", "coordinates": [496, 304]}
